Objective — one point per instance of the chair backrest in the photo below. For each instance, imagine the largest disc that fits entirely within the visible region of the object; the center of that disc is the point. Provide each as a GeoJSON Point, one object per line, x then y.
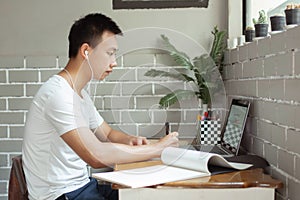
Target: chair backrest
{"type": "Point", "coordinates": [17, 189]}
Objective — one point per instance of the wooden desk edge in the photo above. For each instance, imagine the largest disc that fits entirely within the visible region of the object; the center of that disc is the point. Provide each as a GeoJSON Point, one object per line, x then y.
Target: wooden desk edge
{"type": "Point", "coordinates": [238, 179]}
{"type": "Point", "coordinates": [247, 180]}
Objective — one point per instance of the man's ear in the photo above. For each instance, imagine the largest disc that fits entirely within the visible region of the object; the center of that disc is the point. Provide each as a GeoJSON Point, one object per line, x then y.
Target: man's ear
{"type": "Point", "coordinates": [84, 50]}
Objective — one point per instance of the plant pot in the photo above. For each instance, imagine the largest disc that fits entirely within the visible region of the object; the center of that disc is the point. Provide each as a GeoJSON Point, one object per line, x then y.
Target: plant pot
{"type": "Point", "coordinates": [292, 16]}
{"type": "Point", "coordinates": [249, 35]}
{"type": "Point", "coordinates": [261, 30]}
{"type": "Point", "coordinates": [277, 23]}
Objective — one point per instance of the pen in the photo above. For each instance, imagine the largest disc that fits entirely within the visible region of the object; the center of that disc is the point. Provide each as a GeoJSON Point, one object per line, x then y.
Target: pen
{"type": "Point", "coordinates": [167, 127]}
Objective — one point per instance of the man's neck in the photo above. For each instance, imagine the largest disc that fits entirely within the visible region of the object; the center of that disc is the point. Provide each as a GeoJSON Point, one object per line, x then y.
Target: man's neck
{"type": "Point", "coordinates": [77, 74]}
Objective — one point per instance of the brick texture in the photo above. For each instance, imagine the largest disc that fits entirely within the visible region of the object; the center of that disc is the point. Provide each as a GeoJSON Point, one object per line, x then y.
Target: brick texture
{"type": "Point", "coordinates": [271, 65]}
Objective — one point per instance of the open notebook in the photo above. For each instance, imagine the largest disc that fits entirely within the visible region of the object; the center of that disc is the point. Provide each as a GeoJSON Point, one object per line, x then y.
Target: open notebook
{"type": "Point", "coordinates": [178, 164]}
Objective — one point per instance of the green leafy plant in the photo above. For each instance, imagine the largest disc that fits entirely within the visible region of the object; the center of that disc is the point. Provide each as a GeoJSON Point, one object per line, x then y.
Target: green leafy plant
{"type": "Point", "coordinates": [262, 18]}
{"type": "Point", "coordinates": [201, 68]}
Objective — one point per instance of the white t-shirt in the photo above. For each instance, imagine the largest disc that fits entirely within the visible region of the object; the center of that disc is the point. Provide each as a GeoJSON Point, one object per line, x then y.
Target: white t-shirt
{"type": "Point", "coordinates": [51, 167]}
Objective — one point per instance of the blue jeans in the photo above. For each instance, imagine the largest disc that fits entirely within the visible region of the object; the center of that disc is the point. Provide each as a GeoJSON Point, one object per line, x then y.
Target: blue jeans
{"type": "Point", "coordinates": [91, 191]}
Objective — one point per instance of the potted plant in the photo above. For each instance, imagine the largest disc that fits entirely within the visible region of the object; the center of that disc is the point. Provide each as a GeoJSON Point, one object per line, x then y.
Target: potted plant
{"type": "Point", "coordinates": [249, 34]}
{"type": "Point", "coordinates": [277, 22]}
{"type": "Point", "coordinates": [261, 24]}
{"type": "Point", "coordinates": [292, 14]}
{"type": "Point", "coordinates": [198, 69]}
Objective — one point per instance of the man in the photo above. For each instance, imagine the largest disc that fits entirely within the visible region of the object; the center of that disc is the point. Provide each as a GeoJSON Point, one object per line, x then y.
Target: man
{"type": "Point", "coordinates": [63, 130]}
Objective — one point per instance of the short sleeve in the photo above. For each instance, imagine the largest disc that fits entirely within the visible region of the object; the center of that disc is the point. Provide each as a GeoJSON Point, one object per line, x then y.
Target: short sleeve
{"type": "Point", "coordinates": [65, 112]}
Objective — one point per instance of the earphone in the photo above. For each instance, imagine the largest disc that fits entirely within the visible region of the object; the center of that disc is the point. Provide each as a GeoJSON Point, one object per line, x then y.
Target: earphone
{"type": "Point", "coordinates": [86, 52]}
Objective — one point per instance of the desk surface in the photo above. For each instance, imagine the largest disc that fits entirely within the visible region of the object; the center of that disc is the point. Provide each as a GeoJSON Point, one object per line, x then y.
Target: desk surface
{"type": "Point", "coordinates": [237, 179]}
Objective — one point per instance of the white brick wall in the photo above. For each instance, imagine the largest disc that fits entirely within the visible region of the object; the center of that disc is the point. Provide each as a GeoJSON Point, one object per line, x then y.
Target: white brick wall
{"type": "Point", "coordinates": [267, 72]}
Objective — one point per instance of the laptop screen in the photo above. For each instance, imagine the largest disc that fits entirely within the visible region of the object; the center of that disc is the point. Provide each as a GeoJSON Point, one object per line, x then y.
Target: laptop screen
{"type": "Point", "coordinates": [236, 121]}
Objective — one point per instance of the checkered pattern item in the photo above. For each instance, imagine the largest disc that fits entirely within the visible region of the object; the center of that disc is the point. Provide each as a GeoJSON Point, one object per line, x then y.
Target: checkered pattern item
{"type": "Point", "coordinates": [209, 132]}
{"type": "Point", "coordinates": [232, 134]}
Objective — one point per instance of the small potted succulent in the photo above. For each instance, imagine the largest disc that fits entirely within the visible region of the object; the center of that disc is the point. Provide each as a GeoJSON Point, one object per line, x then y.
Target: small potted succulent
{"type": "Point", "coordinates": [278, 22]}
{"type": "Point", "coordinates": [292, 14]}
{"type": "Point", "coordinates": [261, 24]}
{"type": "Point", "coordinates": [249, 34]}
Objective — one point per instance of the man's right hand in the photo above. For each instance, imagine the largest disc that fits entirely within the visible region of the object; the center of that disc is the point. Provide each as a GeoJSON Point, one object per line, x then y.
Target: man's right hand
{"type": "Point", "coordinates": [170, 140]}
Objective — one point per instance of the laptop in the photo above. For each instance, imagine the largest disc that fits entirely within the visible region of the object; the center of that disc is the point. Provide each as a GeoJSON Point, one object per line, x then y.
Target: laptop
{"type": "Point", "coordinates": [231, 135]}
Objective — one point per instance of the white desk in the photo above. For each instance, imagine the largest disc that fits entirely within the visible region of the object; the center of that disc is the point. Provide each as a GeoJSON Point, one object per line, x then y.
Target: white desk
{"type": "Point", "coordinates": [177, 193]}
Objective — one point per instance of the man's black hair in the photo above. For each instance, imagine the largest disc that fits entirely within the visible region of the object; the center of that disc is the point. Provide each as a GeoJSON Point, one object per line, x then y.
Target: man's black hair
{"type": "Point", "coordinates": [89, 29]}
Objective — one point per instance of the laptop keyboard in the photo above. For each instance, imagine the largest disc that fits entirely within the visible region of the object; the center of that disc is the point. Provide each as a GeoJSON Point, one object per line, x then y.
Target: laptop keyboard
{"type": "Point", "coordinates": [218, 150]}
{"type": "Point", "coordinates": [208, 148]}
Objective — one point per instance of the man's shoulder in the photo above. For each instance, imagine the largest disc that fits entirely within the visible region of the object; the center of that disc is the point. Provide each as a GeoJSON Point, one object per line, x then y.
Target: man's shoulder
{"type": "Point", "coordinates": [53, 88]}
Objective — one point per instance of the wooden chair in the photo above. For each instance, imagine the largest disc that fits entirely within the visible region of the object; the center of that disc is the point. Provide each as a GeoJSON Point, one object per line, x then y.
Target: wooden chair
{"type": "Point", "coordinates": [17, 189]}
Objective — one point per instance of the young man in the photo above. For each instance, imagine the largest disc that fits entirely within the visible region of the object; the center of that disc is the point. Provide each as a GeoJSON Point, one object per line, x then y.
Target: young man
{"type": "Point", "coordinates": [63, 130]}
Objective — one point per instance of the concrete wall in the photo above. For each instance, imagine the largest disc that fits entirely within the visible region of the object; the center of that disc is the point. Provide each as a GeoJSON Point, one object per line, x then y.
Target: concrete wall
{"type": "Point", "coordinates": [267, 72]}
{"type": "Point", "coordinates": [36, 27]}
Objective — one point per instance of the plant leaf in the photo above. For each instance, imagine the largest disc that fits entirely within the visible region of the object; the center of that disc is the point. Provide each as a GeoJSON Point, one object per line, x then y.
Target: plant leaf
{"type": "Point", "coordinates": [161, 73]}
{"type": "Point", "coordinates": [204, 63]}
{"type": "Point", "coordinates": [176, 96]}
{"type": "Point", "coordinates": [203, 66]}
{"type": "Point", "coordinates": [179, 57]}
{"type": "Point", "coordinates": [219, 46]}
{"type": "Point", "coordinates": [205, 95]}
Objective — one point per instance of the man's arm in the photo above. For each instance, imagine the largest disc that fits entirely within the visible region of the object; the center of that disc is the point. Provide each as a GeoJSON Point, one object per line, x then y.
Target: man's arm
{"type": "Point", "coordinates": [101, 154]}
{"type": "Point", "coordinates": [106, 134]}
